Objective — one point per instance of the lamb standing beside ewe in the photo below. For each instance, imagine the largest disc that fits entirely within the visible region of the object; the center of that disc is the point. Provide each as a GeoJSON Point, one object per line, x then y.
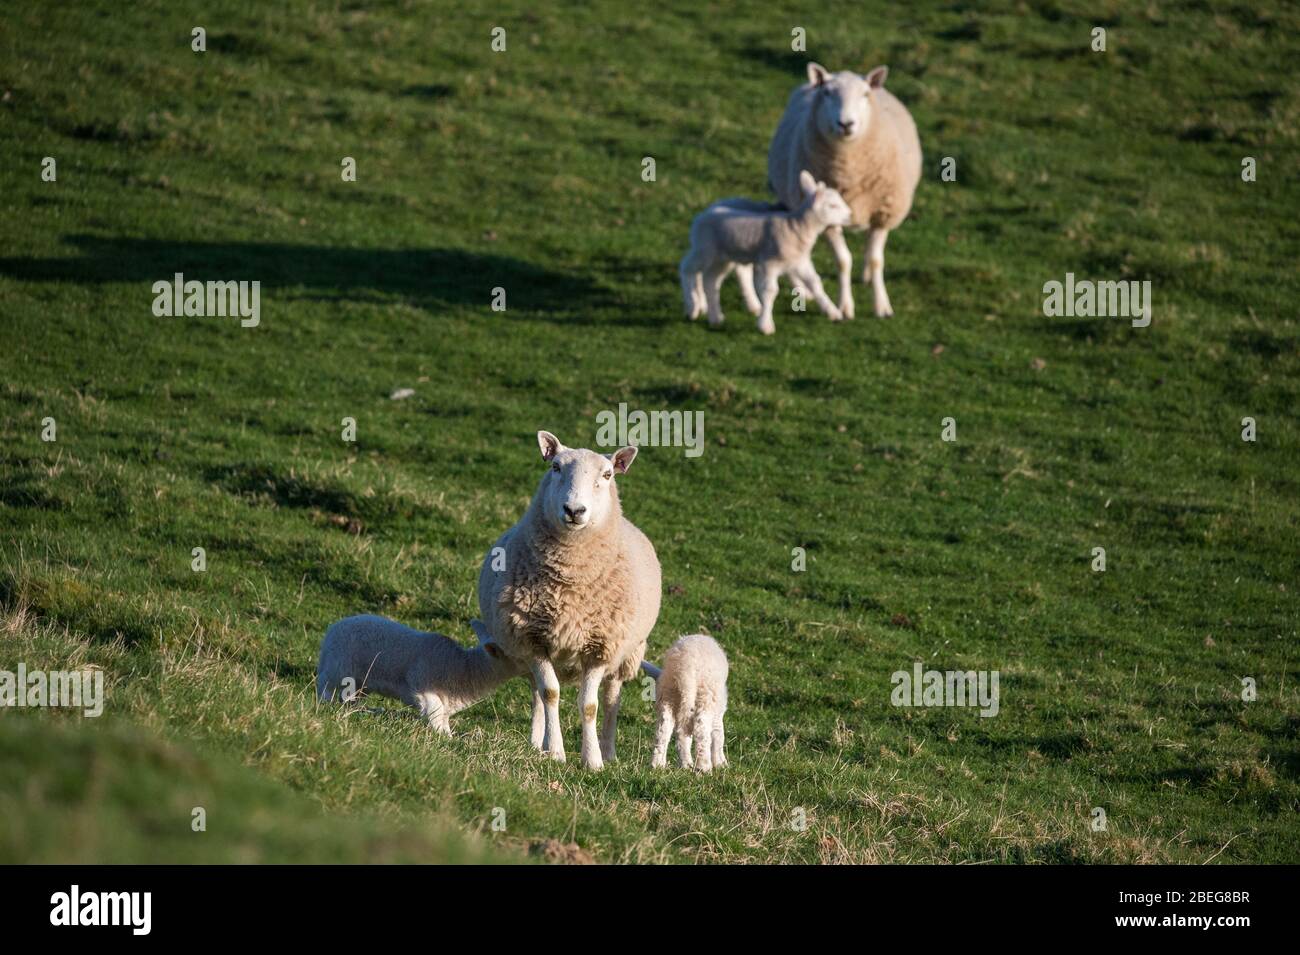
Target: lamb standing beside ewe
{"type": "Point", "coordinates": [729, 235]}
{"type": "Point", "coordinates": [575, 594]}
{"type": "Point", "coordinates": [853, 133]}
{"type": "Point", "coordinates": [431, 672]}
{"type": "Point", "coordinates": [691, 692]}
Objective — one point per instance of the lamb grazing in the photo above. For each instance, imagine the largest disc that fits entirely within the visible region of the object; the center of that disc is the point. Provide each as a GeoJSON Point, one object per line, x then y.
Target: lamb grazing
{"type": "Point", "coordinates": [691, 693]}
{"type": "Point", "coordinates": [774, 241]}
{"type": "Point", "coordinates": [435, 674]}
{"type": "Point", "coordinates": [571, 592]}
{"type": "Point", "coordinates": [850, 131]}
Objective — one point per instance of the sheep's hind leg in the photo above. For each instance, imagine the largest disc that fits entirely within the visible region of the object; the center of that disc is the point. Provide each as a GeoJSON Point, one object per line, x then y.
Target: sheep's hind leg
{"type": "Point", "coordinates": [591, 678]}
{"type": "Point", "coordinates": [703, 734]}
{"type": "Point", "coordinates": [719, 742]}
{"type": "Point", "coordinates": [611, 692]}
{"type": "Point", "coordinates": [875, 270]}
{"type": "Point", "coordinates": [659, 758]}
{"type": "Point", "coordinates": [684, 744]}
{"type": "Point", "coordinates": [544, 677]}
{"type": "Point", "coordinates": [745, 276]}
{"type": "Point", "coordinates": [844, 259]}
{"type": "Point", "coordinates": [767, 280]}
{"type": "Point", "coordinates": [537, 732]}
{"type": "Point", "coordinates": [435, 713]}
{"type": "Point", "coordinates": [692, 294]}
{"type": "Point", "coordinates": [713, 277]}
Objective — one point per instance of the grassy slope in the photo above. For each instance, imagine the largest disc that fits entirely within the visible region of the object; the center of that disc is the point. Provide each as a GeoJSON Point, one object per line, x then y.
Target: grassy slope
{"type": "Point", "coordinates": [522, 170]}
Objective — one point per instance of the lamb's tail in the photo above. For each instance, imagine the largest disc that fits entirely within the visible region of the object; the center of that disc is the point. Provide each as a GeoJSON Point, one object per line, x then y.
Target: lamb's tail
{"type": "Point", "coordinates": [650, 669]}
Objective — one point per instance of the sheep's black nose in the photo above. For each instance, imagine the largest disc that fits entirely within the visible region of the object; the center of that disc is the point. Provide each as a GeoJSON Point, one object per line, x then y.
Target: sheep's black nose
{"type": "Point", "coordinates": [573, 513]}
{"type": "Point", "coordinates": [846, 126]}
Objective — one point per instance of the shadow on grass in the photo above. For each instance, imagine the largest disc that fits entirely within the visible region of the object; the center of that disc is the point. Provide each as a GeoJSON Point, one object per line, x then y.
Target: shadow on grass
{"type": "Point", "coordinates": [428, 278]}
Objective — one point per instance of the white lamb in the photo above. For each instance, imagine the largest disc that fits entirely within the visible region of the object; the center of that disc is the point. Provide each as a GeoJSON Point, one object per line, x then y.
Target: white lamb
{"type": "Point", "coordinates": [435, 674]}
{"type": "Point", "coordinates": [691, 693]}
{"type": "Point", "coordinates": [728, 235]}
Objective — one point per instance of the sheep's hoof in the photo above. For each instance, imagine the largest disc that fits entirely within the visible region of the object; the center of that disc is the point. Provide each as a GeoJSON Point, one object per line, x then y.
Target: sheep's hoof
{"type": "Point", "coordinates": [885, 312]}
{"type": "Point", "coordinates": [835, 315]}
{"type": "Point", "coordinates": [767, 328]}
{"type": "Point", "coordinates": [847, 308]}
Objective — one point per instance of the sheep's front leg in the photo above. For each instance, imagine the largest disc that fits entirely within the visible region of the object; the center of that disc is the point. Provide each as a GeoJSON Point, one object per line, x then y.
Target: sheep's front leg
{"type": "Point", "coordinates": [806, 274]}
{"type": "Point", "coordinates": [611, 692]}
{"type": "Point", "coordinates": [844, 259]}
{"type": "Point", "coordinates": [435, 713]}
{"type": "Point", "coordinates": [591, 678]}
{"type": "Point", "coordinates": [659, 758]}
{"type": "Point", "coordinates": [745, 276]}
{"type": "Point", "coordinates": [544, 677]}
{"type": "Point", "coordinates": [875, 268]}
{"type": "Point", "coordinates": [537, 733]}
{"type": "Point", "coordinates": [766, 277]}
{"type": "Point", "coordinates": [719, 742]}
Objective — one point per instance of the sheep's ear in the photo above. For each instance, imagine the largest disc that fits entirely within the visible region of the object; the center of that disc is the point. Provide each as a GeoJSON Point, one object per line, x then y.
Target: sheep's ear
{"type": "Point", "coordinates": [623, 459]}
{"type": "Point", "coordinates": [817, 74]}
{"type": "Point", "coordinates": [549, 444]}
{"type": "Point", "coordinates": [480, 630]}
{"type": "Point", "coordinates": [493, 650]}
{"type": "Point", "coordinates": [876, 78]}
{"type": "Point", "coordinates": [807, 184]}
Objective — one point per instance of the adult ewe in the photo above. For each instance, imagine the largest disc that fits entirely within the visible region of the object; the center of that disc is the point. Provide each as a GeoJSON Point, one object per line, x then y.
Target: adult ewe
{"type": "Point", "coordinates": [572, 592]}
{"type": "Point", "coordinates": [851, 132]}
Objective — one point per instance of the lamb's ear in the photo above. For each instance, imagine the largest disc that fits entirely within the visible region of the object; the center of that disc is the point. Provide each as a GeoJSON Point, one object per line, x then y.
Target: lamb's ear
{"type": "Point", "coordinates": [623, 459]}
{"type": "Point", "coordinates": [876, 78]}
{"type": "Point", "coordinates": [549, 444]}
{"type": "Point", "coordinates": [817, 74]}
{"type": "Point", "coordinates": [480, 630]}
{"type": "Point", "coordinates": [493, 650]}
{"type": "Point", "coordinates": [807, 184]}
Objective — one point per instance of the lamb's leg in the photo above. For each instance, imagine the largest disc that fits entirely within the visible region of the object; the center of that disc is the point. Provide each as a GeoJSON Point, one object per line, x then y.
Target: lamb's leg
{"type": "Point", "coordinates": [745, 276]}
{"type": "Point", "coordinates": [591, 678]}
{"type": "Point", "coordinates": [875, 266]}
{"type": "Point", "coordinates": [703, 734]}
{"type": "Point", "coordinates": [537, 734]}
{"type": "Point", "coordinates": [692, 300]}
{"type": "Point", "coordinates": [435, 713]}
{"type": "Point", "coordinates": [805, 272]}
{"type": "Point", "coordinates": [684, 744]}
{"type": "Point", "coordinates": [844, 259]}
{"type": "Point", "coordinates": [544, 676]}
{"type": "Point", "coordinates": [719, 742]}
{"type": "Point", "coordinates": [713, 277]}
{"type": "Point", "coordinates": [659, 758]}
{"type": "Point", "coordinates": [766, 277]}
{"type": "Point", "coordinates": [611, 692]}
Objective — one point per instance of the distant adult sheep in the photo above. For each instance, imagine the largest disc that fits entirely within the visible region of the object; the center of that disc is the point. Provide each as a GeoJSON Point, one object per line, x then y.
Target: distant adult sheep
{"type": "Point", "coordinates": [435, 674]}
{"type": "Point", "coordinates": [691, 695]}
{"type": "Point", "coordinates": [733, 234]}
{"type": "Point", "coordinates": [571, 593]}
{"type": "Point", "coordinates": [853, 133]}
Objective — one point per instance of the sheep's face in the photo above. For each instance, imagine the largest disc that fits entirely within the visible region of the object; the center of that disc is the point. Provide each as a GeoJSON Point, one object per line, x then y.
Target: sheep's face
{"type": "Point", "coordinates": [843, 101]}
{"type": "Point", "coordinates": [830, 208]}
{"type": "Point", "coordinates": [578, 492]}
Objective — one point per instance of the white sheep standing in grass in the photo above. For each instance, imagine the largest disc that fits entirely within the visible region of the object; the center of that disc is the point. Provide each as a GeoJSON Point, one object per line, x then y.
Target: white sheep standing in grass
{"type": "Point", "coordinates": [433, 673]}
{"type": "Point", "coordinates": [691, 695]}
{"type": "Point", "coordinates": [733, 234]}
{"type": "Point", "coordinates": [571, 592]}
{"type": "Point", "coordinates": [850, 131]}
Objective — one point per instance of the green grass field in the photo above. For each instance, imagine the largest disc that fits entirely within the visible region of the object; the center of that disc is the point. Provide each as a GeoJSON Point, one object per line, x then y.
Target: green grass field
{"type": "Point", "coordinates": [1120, 689]}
